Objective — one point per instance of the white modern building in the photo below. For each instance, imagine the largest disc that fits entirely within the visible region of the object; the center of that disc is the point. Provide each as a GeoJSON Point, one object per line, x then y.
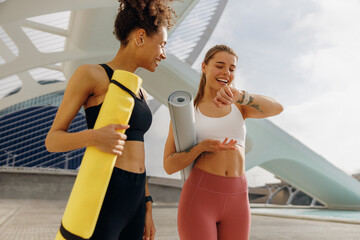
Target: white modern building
{"type": "Point", "coordinates": [44, 41]}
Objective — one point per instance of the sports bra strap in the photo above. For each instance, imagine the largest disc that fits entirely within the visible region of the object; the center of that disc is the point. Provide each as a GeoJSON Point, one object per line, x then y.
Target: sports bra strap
{"type": "Point", "coordinates": [108, 70]}
{"type": "Point", "coordinates": [123, 88]}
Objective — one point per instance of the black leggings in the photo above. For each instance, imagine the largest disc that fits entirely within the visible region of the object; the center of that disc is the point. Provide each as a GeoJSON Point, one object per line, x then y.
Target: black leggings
{"type": "Point", "coordinates": [122, 215]}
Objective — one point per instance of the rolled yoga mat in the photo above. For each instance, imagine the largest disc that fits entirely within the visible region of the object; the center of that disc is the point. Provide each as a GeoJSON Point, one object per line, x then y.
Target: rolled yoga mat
{"type": "Point", "coordinates": [181, 107]}
{"type": "Point", "coordinates": [91, 183]}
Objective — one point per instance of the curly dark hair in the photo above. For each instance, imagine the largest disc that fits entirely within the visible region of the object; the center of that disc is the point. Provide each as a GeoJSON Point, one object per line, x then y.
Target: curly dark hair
{"type": "Point", "coordinates": [146, 14]}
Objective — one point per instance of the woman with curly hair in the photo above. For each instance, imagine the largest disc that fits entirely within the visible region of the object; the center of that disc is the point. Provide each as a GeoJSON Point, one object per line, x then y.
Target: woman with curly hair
{"type": "Point", "coordinates": [214, 200]}
{"type": "Point", "coordinates": [141, 27]}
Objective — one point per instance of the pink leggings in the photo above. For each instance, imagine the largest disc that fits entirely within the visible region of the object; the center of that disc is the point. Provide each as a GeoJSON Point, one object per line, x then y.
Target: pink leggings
{"type": "Point", "coordinates": [214, 207]}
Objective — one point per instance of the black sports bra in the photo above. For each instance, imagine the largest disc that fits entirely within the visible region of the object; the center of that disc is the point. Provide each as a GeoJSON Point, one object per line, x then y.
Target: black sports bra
{"type": "Point", "coordinates": [140, 120]}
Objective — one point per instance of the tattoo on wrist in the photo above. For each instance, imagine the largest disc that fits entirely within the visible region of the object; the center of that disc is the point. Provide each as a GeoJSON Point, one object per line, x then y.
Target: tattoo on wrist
{"type": "Point", "coordinates": [242, 99]}
{"type": "Point", "coordinates": [251, 103]}
{"type": "Point", "coordinates": [189, 149]}
{"type": "Point", "coordinates": [245, 98]}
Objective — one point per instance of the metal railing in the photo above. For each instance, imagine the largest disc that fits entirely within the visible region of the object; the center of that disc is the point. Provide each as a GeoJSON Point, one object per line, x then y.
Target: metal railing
{"type": "Point", "coordinates": [22, 140]}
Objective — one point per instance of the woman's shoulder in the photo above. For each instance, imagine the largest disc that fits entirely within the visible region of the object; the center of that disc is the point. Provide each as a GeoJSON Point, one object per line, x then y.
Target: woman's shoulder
{"type": "Point", "coordinates": [91, 70]}
{"type": "Point", "coordinates": [89, 78]}
{"type": "Point", "coordinates": [89, 74]}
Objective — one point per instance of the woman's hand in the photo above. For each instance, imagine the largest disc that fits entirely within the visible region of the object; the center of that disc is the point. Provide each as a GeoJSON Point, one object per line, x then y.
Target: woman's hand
{"type": "Point", "coordinates": [227, 95]}
{"type": "Point", "coordinates": [149, 228]}
{"type": "Point", "coordinates": [211, 145]}
{"type": "Point", "coordinates": [108, 140]}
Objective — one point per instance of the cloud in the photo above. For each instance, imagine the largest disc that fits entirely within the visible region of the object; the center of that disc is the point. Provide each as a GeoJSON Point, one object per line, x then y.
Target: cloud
{"type": "Point", "coordinates": [334, 36]}
{"type": "Point", "coordinates": [327, 126]}
{"type": "Point", "coordinates": [328, 120]}
{"type": "Point", "coordinates": [306, 55]}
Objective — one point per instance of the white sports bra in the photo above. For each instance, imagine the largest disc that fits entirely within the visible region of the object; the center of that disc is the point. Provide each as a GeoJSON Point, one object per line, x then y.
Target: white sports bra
{"type": "Point", "coordinates": [231, 126]}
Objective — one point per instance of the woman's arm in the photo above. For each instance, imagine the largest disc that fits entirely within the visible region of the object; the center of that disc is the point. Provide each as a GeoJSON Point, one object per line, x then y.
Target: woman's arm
{"type": "Point", "coordinates": [174, 161]}
{"type": "Point", "coordinates": [79, 88]}
{"type": "Point", "coordinates": [149, 228]}
{"type": "Point", "coordinates": [250, 105]}
{"type": "Point", "coordinates": [260, 106]}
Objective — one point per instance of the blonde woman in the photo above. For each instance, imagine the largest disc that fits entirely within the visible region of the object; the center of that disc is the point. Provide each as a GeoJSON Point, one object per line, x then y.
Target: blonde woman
{"type": "Point", "coordinates": [214, 201]}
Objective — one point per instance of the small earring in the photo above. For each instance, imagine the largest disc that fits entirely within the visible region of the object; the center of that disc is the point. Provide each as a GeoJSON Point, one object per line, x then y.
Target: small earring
{"type": "Point", "coordinates": [139, 44]}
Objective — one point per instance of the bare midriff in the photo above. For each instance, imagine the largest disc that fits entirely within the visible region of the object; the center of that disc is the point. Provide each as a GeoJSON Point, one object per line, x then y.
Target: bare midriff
{"type": "Point", "coordinates": [132, 158]}
{"type": "Point", "coordinates": [228, 163]}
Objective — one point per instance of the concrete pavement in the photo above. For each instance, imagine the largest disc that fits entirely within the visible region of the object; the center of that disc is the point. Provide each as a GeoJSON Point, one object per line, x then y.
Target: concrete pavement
{"type": "Point", "coordinates": [39, 220]}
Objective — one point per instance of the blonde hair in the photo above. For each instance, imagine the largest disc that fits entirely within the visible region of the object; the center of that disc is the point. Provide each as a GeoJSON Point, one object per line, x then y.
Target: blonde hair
{"type": "Point", "coordinates": [209, 55]}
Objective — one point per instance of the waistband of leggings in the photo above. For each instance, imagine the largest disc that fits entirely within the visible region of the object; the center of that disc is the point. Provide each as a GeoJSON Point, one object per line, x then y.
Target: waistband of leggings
{"type": "Point", "coordinates": [216, 183]}
{"type": "Point", "coordinates": [136, 177]}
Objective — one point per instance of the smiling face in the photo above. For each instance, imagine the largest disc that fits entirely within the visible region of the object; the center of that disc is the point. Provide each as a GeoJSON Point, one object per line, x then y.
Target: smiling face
{"type": "Point", "coordinates": [153, 49]}
{"type": "Point", "coordinates": [220, 70]}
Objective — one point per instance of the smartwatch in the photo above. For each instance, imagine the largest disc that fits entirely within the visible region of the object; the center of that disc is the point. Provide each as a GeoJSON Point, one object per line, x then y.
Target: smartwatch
{"type": "Point", "coordinates": [148, 198]}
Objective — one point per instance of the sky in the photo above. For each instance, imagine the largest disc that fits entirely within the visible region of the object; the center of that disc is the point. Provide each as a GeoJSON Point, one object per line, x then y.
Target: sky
{"type": "Point", "coordinates": [306, 55]}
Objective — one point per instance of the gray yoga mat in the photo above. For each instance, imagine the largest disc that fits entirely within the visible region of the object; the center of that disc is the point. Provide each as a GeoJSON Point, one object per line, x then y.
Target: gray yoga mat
{"type": "Point", "coordinates": [181, 107]}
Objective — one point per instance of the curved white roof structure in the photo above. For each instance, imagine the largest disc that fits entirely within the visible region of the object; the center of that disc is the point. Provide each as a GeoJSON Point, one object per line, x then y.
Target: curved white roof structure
{"type": "Point", "coordinates": [66, 35]}
{"type": "Point", "coordinates": [39, 53]}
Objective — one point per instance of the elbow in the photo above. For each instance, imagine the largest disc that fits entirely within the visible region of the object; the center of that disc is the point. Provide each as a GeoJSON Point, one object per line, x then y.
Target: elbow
{"type": "Point", "coordinates": [48, 144]}
{"type": "Point", "coordinates": [168, 169]}
{"type": "Point", "coordinates": [276, 109]}
{"type": "Point", "coordinates": [48, 147]}
{"type": "Point", "coordinates": [280, 109]}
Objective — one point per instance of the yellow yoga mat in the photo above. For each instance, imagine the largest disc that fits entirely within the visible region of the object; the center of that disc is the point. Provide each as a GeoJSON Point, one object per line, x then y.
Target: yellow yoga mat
{"type": "Point", "coordinates": [91, 183]}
